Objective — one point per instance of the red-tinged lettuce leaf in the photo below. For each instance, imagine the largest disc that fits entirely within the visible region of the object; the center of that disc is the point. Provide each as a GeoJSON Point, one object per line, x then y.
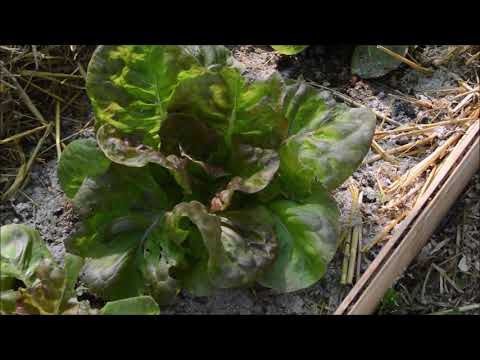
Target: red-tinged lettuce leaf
{"type": "Point", "coordinates": [50, 289]}
{"type": "Point", "coordinates": [307, 233]}
{"type": "Point", "coordinates": [327, 143]}
{"type": "Point", "coordinates": [123, 150]}
{"type": "Point", "coordinates": [370, 62]}
{"type": "Point", "coordinates": [190, 226]}
{"type": "Point", "coordinates": [21, 250]}
{"type": "Point", "coordinates": [46, 288]}
{"type": "Point", "coordinates": [141, 305]}
{"type": "Point", "coordinates": [255, 169]}
{"type": "Point", "coordinates": [53, 291]}
{"type": "Point", "coordinates": [289, 49]}
{"type": "Point", "coordinates": [250, 243]}
{"type": "Point", "coordinates": [72, 266]}
{"type": "Point", "coordinates": [212, 171]}
{"type": "Point", "coordinates": [224, 251]}
{"type": "Point", "coordinates": [80, 159]}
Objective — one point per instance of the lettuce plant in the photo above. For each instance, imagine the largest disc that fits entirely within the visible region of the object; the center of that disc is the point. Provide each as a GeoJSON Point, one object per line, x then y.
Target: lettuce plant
{"type": "Point", "coordinates": [198, 179]}
{"type": "Point", "coordinates": [289, 49]}
{"type": "Point", "coordinates": [45, 287]}
{"type": "Point", "coordinates": [367, 61]}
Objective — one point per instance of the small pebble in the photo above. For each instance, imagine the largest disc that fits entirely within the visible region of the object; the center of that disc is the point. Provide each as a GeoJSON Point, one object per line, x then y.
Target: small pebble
{"type": "Point", "coordinates": [425, 120]}
{"type": "Point", "coordinates": [403, 140]}
{"type": "Point", "coordinates": [463, 264]}
{"type": "Point", "coordinates": [370, 182]}
{"type": "Point", "coordinates": [400, 107]}
{"type": "Point", "coordinates": [369, 197]}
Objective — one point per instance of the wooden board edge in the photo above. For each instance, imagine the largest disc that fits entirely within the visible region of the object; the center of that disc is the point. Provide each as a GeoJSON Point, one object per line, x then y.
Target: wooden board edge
{"type": "Point", "coordinates": [418, 235]}
{"type": "Point", "coordinates": [454, 160]}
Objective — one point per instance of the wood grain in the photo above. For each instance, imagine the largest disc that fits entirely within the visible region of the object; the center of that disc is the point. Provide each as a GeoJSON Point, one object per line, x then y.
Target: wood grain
{"type": "Point", "coordinates": [452, 177]}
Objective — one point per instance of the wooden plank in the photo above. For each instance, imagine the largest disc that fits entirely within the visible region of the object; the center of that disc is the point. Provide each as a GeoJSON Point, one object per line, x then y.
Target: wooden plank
{"type": "Point", "coordinates": [376, 267]}
{"type": "Point", "coordinates": [418, 236]}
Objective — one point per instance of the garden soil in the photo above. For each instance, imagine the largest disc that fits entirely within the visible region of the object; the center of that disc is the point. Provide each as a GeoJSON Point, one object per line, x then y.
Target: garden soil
{"type": "Point", "coordinates": [42, 205]}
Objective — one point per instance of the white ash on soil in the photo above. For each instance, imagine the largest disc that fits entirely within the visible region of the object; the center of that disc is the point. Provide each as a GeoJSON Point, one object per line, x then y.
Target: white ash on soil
{"type": "Point", "coordinates": [42, 206]}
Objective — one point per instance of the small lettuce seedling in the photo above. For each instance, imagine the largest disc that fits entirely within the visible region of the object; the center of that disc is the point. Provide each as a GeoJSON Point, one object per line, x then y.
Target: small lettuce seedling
{"type": "Point", "coordinates": [46, 288]}
{"type": "Point", "coordinates": [200, 180]}
{"type": "Point", "coordinates": [289, 49]}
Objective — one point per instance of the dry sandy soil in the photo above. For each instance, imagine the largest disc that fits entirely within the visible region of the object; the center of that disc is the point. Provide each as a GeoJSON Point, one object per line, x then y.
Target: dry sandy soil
{"type": "Point", "coordinates": [455, 246]}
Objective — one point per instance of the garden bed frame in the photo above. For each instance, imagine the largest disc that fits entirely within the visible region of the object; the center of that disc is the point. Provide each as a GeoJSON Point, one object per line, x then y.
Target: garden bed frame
{"type": "Point", "coordinates": [417, 228]}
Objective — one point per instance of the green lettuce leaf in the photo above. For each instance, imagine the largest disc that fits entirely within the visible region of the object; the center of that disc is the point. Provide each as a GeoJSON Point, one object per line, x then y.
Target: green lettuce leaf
{"type": "Point", "coordinates": [228, 250]}
{"type": "Point", "coordinates": [327, 143]}
{"type": "Point", "coordinates": [22, 251]}
{"type": "Point", "coordinates": [289, 49]}
{"type": "Point", "coordinates": [118, 227]}
{"type": "Point", "coordinates": [370, 62]}
{"type": "Point", "coordinates": [141, 305]}
{"type": "Point", "coordinates": [119, 238]}
{"type": "Point", "coordinates": [120, 210]}
{"type": "Point", "coordinates": [131, 85]}
{"type": "Point", "coordinates": [80, 159]}
{"type": "Point", "coordinates": [307, 233]}
{"type": "Point", "coordinates": [47, 288]}
{"type": "Point", "coordinates": [8, 302]}
{"type": "Point", "coordinates": [234, 108]}
{"type": "Point", "coordinates": [195, 149]}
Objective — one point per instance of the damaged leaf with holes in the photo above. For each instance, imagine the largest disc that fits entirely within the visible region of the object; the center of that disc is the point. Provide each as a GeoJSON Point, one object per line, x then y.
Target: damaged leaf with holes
{"type": "Point", "coordinates": [201, 180]}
